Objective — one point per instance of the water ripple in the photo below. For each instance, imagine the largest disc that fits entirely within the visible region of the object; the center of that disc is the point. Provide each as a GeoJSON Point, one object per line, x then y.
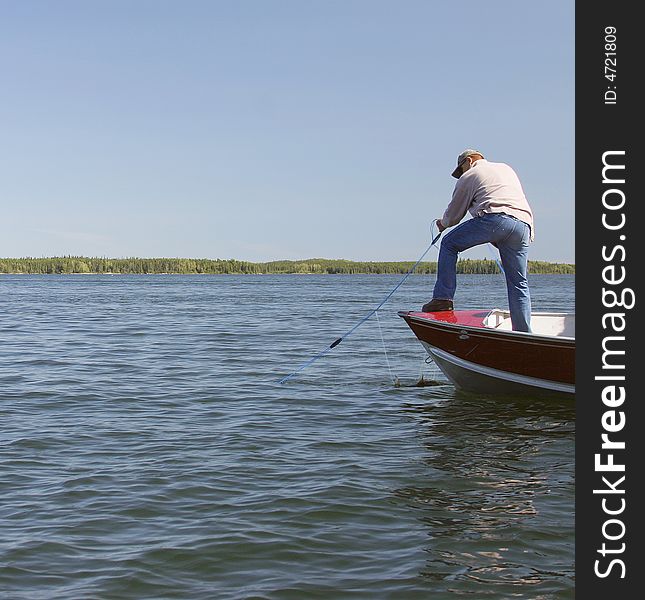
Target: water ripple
{"type": "Point", "coordinates": [148, 451]}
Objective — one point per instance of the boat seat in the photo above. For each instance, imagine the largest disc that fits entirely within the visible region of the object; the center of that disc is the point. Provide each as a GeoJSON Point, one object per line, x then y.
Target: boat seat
{"type": "Point", "coordinates": [556, 324]}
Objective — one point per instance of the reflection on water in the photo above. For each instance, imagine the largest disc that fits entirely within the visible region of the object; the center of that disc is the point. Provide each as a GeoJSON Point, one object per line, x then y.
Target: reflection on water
{"type": "Point", "coordinates": [499, 472]}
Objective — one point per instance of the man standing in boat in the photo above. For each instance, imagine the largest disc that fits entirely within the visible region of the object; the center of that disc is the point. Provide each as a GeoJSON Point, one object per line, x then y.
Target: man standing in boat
{"type": "Point", "coordinates": [492, 193]}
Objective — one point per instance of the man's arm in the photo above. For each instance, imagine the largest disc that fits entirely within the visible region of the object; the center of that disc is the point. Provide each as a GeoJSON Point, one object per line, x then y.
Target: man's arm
{"type": "Point", "coordinates": [461, 198]}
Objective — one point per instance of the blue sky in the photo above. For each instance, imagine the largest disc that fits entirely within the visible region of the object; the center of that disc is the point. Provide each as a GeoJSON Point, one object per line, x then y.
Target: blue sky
{"type": "Point", "coordinates": [275, 129]}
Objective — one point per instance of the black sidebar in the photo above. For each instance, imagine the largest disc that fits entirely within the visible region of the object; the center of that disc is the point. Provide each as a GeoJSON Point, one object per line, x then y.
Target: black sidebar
{"type": "Point", "coordinates": [610, 356]}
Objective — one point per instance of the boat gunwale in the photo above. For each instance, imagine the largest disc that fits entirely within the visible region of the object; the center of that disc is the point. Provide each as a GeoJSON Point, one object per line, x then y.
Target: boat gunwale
{"type": "Point", "coordinates": [415, 317]}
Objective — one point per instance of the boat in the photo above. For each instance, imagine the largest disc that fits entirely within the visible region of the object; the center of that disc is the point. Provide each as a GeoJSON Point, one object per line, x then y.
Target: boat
{"type": "Point", "coordinates": [478, 351]}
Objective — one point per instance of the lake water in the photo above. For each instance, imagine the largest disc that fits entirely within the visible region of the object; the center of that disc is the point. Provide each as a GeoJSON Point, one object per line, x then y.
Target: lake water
{"type": "Point", "coordinates": [148, 452]}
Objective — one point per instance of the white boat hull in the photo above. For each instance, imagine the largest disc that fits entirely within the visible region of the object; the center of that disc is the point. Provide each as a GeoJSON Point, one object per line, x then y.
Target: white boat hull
{"type": "Point", "coordinates": [473, 377]}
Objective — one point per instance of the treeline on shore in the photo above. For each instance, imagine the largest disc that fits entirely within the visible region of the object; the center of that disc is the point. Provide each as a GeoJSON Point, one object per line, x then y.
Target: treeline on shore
{"type": "Point", "coordinates": [191, 266]}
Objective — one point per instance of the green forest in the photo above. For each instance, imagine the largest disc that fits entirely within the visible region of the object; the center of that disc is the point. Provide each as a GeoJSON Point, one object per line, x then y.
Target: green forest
{"type": "Point", "coordinates": [195, 266]}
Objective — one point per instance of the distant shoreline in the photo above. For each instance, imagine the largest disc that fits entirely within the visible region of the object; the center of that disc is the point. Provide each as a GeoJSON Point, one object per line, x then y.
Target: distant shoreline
{"type": "Point", "coordinates": [80, 265]}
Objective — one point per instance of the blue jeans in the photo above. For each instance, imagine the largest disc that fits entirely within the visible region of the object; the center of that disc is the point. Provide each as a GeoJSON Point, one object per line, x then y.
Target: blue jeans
{"type": "Point", "coordinates": [511, 236]}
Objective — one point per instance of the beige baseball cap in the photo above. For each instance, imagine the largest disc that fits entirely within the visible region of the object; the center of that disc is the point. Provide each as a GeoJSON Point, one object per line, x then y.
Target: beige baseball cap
{"type": "Point", "coordinates": [462, 157]}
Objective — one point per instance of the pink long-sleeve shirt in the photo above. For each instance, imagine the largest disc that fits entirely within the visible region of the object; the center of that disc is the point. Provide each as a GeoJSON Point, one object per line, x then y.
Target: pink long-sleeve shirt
{"type": "Point", "coordinates": [488, 187]}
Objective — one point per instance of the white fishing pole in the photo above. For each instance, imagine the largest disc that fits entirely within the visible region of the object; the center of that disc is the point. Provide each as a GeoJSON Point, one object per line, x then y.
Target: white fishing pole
{"type": "Point", "coordinates": [492, 252]}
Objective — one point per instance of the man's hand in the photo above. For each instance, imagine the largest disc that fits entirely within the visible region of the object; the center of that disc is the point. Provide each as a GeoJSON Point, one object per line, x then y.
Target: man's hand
{"type": "Point", "coordinates": [440, 226]}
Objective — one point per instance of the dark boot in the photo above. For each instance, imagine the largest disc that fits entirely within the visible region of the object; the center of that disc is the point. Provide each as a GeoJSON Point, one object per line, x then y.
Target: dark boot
{"type": "Point", "coordinates": [437, 305]}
